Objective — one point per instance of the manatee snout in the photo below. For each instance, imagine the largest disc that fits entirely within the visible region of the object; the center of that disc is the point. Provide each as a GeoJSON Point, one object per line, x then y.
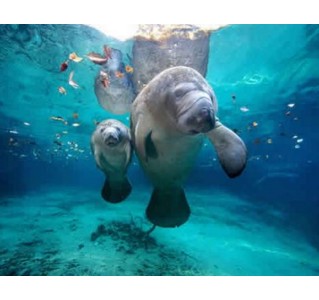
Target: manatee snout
{"type": "Point", "coordinates": [201, 117]}
{"type": "Point", "coordinates": [204, 120]}
{"type": "Point", "coordinates": [111, 137]}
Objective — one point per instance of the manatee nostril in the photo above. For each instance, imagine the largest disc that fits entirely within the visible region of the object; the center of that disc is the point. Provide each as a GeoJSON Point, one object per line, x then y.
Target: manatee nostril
{"type": "Point", "coordinates": [112, 140]}
{"type": "Point", "coordinates": [206, 120]}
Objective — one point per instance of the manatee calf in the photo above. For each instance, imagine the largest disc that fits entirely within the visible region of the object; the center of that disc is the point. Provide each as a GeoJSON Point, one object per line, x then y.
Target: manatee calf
{"type": "Point", "coordinates": [158, 47]}
{"type": "Point", "coordinates": [170, 119]}
{"type": "Point", "coordinates": [111, 147]}
{"type": "Point", "coordinates": [113, 87]}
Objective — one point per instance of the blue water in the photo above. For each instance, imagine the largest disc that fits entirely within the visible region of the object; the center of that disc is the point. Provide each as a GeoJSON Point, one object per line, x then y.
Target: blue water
{"type": "Point", "coordinates": [265, 222]}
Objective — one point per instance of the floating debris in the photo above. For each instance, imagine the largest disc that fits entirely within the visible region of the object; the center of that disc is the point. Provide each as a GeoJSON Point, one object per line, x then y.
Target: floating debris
{"type": "Point", "coordinates": [73, 56]}
{"type": "Point", "coordinates": [269, 141]}
{"type": "Point", "coordinates": [59, 119]}
{"type": "Point", "coordinates": [233, 97]}
{"type": "Point", "coordinates": [22, 156]}
{"type": "Point", "coordinates": [107, 52]}
{"type": "Point", "coordinates": [255, 124]}
{"type": "Point", "coordinates": [129, 69]}
{"type": "Point", "coordinates": [299, 141]}
{"type": "Point", "coordinates": [75, 115]}
{"type": "Point", "coordinates": [291, 105]}
{"type": "Point", "coordinates": [104, 79]}
{"type": "Point", "coordinates": [244, 109]}
{"type": "Point", "coordinates": [62, 90]}
{"type": "Point", "coordinates": [76, 124]}
{"type": "Point", "coordinates": [297, 146]}
{"type": "Point", "coordinates": [64, 132]}
{"type": "Point", "coordinates": [26, 123]}
{"type": "Point", "coordinates": [97, 58]}
{"type": "Point", "coordinates": [64, 66]}
{"type": "Point", "coordinates": [119, 74]}
{"type": "Point", "coordinates": [72, 82]}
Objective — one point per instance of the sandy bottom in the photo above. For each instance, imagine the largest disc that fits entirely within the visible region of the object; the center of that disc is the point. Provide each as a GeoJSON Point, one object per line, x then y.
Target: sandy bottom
{"type": "Point", "coordinates": [72, 232]}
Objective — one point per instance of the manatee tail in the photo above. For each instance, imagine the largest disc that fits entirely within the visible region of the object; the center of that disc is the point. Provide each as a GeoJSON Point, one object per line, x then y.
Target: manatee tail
{"type": "Point", "coordinates": [168, 207]}
{"type": "Point", "coordinates": [117, 191]}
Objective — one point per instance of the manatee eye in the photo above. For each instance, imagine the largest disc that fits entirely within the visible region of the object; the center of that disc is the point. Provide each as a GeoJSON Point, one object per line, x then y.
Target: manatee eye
{"type": "Point", "coordinates": [102, 129]}
{"type": "Point", "coordinates": [183, 89]}
{"type": "Point", "coordinates": [179, 92]}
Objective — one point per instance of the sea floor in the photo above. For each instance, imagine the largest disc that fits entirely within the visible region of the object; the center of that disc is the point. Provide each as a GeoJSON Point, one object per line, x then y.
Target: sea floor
{"type": "Point", "coordinates": [74, 232]}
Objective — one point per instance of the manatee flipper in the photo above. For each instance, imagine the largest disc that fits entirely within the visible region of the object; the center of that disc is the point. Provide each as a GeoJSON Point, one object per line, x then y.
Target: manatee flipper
{"type": "Point", "coordinates": [141, 134]}
{"type": "Point", "coordinates": [116, 191]}
{"type": "Point", "coordinates": [150, 149]}
{"type": "Point", "coordinates": [231, 150]}
{"type": "Point", "coordinates": [168, 207]}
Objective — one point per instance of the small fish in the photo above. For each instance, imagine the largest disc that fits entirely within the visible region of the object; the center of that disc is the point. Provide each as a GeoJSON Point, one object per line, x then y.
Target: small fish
{"type": "Point", "coordinates": [299, 140]}
{"type": "Point", "coordinates": [13, 131]}
{"type": "Point", "coordinates": [288, 113]}
{"type": "Point", "coordinates": [26, 123]}
{"type": "Point", "coordinates": [76, 124]}
{"type": "Point", "coordinates": [64, 66]}
{"type": "Point", "coordinates": [11, 141]}
{"type": "Point", "coordinates": [58, 143]}
{"type": "Point", "coordinates": [257, 141]}
{"type": "Point", "coordinates": [244, 109]}
{"type": "Point", "coordinates": [75, 115]}
{"type": "Point", "coordinates": [62, 90]}
{"type": "Point", "coordinates": [96, 58]}
{"type": "Point", "coordinates": [119, 74]}
{"type": "Point", "coordinates": [295, 136]}
{"type": "Point", "coordinates": [129, 69]}
{"type": "Point", "coordinates": [297, 146]}
{"type": "Point", "coordinates": [107, 52]}
{"type": "Point", "coordinates": [291, 105]}
{"type": "Point", "coordinates": [233, 97]}
{"type": "Point", "coordinates": [64, 132]}
{"type": "Point", "coordinates": [269, 141]}
{"type": "Point", "coordinates": [72, 82]}
{"type": "Point", "coordinates": [73, 56]}
{"type": "Point", "coordinates": [255, 124]}
{"type": "Point", "coordinates": [104, 79]}
{"type": "Point", "coordinates": [60, 119]}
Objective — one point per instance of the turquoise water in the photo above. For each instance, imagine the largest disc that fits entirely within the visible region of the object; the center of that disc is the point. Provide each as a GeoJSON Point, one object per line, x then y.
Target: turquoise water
{"type": "Point", "coordinates": [53, 219]}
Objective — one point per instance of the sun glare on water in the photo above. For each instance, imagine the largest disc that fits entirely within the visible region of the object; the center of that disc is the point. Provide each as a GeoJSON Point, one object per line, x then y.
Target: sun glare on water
{"type": "Point", "coordinates": [124, 32]}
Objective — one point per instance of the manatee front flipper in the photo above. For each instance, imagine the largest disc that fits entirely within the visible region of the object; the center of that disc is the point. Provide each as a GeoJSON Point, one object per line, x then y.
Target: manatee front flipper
{"type": "Point", "coordinates": [231, 150]}
{"type": "Point", "coordinates": [168, 207]}
{"type": "Point", "coordinates": [116, 191]}
{"type": "Point", "coordinates": [143, 139]}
